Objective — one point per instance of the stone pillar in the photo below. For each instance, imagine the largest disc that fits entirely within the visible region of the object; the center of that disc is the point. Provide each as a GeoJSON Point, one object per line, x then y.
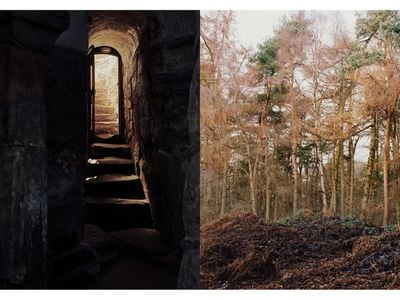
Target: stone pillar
{"type": "Point", "coordinates": [25, 38]}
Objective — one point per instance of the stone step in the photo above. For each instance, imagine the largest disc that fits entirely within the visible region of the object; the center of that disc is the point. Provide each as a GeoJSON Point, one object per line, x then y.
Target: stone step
{"type": "Point", "coordinates": [106, 118]}
{"type": "Point", "coordinates": [104, 109]}
{"type": "Point", "coordinates": [106, 102]}
{"type": "Point", "coordinates": [100, 150]}
{"type": "Point", "coordinates": [113, 214]}
{"type": "Point", "coordinates": [104, 126]}
{"type": "Point", "coordinates": [114, 185]}
{"type": "Point", "coordinates": [101, 94]}
{"type": "Point", "coordinates": [106, 131]}
{"type": "Point", "coordinates": [107, 165]}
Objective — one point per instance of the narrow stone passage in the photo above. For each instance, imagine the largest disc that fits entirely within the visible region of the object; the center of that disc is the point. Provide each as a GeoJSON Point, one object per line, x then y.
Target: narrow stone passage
{"type": "Point", "coordinates": [120, 248]}
{"type": "Point", "coordinates": [64, 120]}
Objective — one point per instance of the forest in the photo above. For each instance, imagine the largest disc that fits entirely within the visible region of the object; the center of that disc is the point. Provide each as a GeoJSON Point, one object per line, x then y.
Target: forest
{"type": "Point", "coordinates": [300, 153]}
{"type": "Point", "coordinates": [281, 124]}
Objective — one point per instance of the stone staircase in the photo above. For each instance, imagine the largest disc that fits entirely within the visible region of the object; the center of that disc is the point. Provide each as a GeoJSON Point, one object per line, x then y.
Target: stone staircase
{"type": "Point", "coordinates": [106, 114]}
{"type": "Point", "coordinates": [120, 248]}
{"type": "Point", "coordinates": [114, 194]}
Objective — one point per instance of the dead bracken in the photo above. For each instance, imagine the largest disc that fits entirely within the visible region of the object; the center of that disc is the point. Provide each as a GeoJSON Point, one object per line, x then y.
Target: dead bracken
{"type": "Point", "coordinates": [241, 251]}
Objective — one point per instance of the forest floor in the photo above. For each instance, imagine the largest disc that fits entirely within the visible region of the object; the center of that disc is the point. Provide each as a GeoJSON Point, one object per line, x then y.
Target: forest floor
{"type": "Point", "coordinates": [301, 253]}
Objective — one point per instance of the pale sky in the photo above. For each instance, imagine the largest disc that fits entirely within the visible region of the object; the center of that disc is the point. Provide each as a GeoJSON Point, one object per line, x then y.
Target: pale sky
{"type": "Point", "coordinates": [254, 26]}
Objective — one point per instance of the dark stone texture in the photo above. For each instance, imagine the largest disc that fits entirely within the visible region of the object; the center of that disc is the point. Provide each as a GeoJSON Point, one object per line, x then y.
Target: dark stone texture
{"type": "Point", "coordinates": [189, 275]}
{"type": "Point", "coordinates": [23, 210]}
{"type": "Point", "coordinates": [67, 146]}
{"type": "Point", "coordinates": [23, 201]}
{"type": "Point", "coordinates": [35, 31]}
{"type": "Point", "coordinates": [25, 96]}
{"type": "Point", "coordinates": [25, 39]}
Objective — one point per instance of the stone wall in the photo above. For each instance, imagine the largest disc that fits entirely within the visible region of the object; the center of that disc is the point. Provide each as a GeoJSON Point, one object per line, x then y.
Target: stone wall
{"type": "Point", "coordinates": [164, 64]}
{"type": "Point", "coordinates": [25, 38]}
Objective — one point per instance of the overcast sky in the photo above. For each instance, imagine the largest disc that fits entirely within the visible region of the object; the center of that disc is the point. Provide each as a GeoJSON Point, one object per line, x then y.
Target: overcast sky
{"type": "Point", "coordinates": [254, 26]}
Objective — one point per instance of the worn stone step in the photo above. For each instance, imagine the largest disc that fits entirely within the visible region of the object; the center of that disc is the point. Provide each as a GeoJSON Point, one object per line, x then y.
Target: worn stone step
{"type": "Point", "coordinates": [115, 185]}
{"type": "Point", "coordinates": [106, 131]}
{"type": "Point", "coordinates": [113, 214]}
{"type": "Point", "coordinates": [116, 201]}
{"type": "Point", "coordinates": [104, 109]}
{"type": "Point", "coordinates": [106, 102]}
{"type": "Point", "coordinates": [107, 165]}
{"type": "Point", "coordinates": [101, 96]}
{"type": "Point", "coordinates": [107, 127]}
{"type": "Point", "coordinates": [100, 150]}
{"type": "Point", "coordinates": [106, 118]}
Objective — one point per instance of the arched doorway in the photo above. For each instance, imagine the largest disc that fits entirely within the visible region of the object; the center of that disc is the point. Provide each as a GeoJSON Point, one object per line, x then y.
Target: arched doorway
{"type": "Point", "coordinates": [105, 105]}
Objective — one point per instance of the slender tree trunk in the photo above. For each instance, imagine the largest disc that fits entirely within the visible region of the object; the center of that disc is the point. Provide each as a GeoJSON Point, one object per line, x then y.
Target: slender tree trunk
{"type": "Point", "coordinates": [334, 179]}
{"type": "Point", "coordinates": [370, 168]}
{"type": "Point", "coordinates": [267, 200]}
{"type": "Point", "coordinates": [295, 175]}
{"type": "Point", "coordinates": [322, 180]}
{"type": "Point", "coordinates": [352, 148]}
{"type": "Point", "coordinates": [267, 183]}
{"type": "Point", "coordinates": [342, 185]}
{"type": "Point", "coordinates": [275, 208]}
{"type": "Point", "coordinates": [398, 211]}
{"type": "Point", "coordinates": [252, 177]}
{"type": "Point", "coordinates": [253, 197]}
{"type": "Point", "coordinates": [224, 188]}
{"type": "Point", "coordinates": [386, 169]}
{"type": "Point", "coordinates": [294, 143]}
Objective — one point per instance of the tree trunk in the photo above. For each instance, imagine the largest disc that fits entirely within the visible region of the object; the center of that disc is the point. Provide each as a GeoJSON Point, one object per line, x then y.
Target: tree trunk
{"type": "Point", "coordinates": [370, 168]}
{"type": "Point", "coordinates": [352, 148]}
{"type": "Point", "coordinates": [342, 185]}
{"type": "Point", "coordinates": [386, 169]}
{"type": "Point", "coordinates": [275, 208]}
{"type": "Point", "coordinates": [253, 197]}
{"type": "Point", "coordinates": [334, 180]}
{"type": "Point", "coordinates": [224, 188]}
{"type": "Point", "coordinates": [267, 201]}
{"type": "Point", "coordinates": [252, 177]}
{"type": "Point", "coordinates": [322, 180]}
{"type": "Point", "coordinates": [267, 182]}
{"type": "Point", "coordinates": [295, 176]}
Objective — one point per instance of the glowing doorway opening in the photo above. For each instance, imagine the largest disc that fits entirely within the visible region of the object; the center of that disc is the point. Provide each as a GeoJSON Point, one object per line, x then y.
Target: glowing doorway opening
{"type": "Point", "coordinates": [107, 94]}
